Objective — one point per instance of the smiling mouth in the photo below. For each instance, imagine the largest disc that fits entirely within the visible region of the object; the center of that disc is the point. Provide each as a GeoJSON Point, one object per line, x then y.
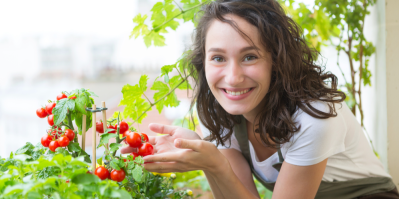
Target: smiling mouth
{"type": "Point", "coordinates": [236, 93]}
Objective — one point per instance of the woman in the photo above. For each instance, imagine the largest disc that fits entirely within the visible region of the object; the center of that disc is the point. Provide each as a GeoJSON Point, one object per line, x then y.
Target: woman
{"type": "Point", "coordinates": [268, 107]}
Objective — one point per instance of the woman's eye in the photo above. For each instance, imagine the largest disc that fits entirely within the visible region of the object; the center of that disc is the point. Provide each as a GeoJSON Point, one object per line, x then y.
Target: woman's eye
{"type": "Point", "coordinates": [250, 58]}
{"type": "Point", "coordinates": [217, 59]}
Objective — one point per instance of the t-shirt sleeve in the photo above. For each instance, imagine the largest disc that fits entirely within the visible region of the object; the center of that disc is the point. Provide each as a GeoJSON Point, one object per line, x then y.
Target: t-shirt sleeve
{"type": "Point", "coordinates": [317, 139]}
{"type": "Point", "coordinates": [229, 144]}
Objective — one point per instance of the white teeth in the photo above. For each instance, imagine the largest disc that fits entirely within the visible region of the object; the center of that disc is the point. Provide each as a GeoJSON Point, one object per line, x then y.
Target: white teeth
{"type": "Point", "coordinates": [237, 93]}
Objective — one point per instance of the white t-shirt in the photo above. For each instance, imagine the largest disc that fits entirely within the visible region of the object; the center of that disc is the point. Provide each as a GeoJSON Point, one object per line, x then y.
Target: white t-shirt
{"type": "Point", "coordinates": [340, 139]}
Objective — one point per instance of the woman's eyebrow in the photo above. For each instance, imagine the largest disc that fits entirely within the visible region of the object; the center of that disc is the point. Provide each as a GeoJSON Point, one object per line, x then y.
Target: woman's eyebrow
{"type": "Point", "coordinates": [249, 48]}
{"type": "Point", "coordinates": [217, 50]}
{"type": "Point", "coordinates": [242, 50]}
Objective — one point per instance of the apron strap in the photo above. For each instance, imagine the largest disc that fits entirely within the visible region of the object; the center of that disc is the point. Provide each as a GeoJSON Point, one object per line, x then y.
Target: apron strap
{"type": "Point", "coordinates": [240, 131]}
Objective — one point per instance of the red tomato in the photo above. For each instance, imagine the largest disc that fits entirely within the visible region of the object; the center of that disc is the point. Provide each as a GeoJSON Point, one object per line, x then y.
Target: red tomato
{"type": "Point", "coordinates": [112, 127]}
{"type": "Point", "coordinates": [73, 97]}
{"type": "Point", "coordinates": [144, 137]}
{"type": "Point", "coordinates": [49, 107]}
{"type": "Point", "coordinates": [123, 127]}
{"type": "Point", "coordinates": [134, 155]}
{"type": "Point", "coordinates": [146, 149]}
{"type": "Point", "coordinates": [53, 145]}
{"type": "Point", "coordinates": [61, 96]}
{"type": "Point", "coordinates": [118, 175]}
{"type": "Point", "coordinates": [63, 141]}
{"type": "Point", "coordinates": [124, 135]}
{"type": "Point", "coordinates": [133, 139]}
{"type": "Point", "coordinates": [46, 139]}
{"type": "Point", "coordinates": [41, 112]}
{"type": "Point", "coordinates": [99, 127]}
{"type": "Point", "coordinates": [50, 120]}
{"type": "Point", "coordinates": [70, 134]}
{"type": "Point", "coordinates": [102, 172]}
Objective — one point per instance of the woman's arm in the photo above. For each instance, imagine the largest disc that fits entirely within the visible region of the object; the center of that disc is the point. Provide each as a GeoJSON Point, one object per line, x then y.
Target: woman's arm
{"type": "Point", "coordinates": [203, 155]}
{"type": "Point", "coordinates": [301, 182]}
{"type": "Point", "coordinates": [214, 187]}
{"type": "Point", "coordinates": [240, 168]}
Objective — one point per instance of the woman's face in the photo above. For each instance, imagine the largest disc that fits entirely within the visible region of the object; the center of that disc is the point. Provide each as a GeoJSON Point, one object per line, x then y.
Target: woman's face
{"type": "Point", "coordinates": [237, 71]}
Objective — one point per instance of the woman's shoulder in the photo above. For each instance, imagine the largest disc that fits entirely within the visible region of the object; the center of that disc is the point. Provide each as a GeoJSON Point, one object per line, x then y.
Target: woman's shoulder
{"type": "Point", "coordinates": [307, 119]}
{"type": "Point", "coordinates": [317, 138]}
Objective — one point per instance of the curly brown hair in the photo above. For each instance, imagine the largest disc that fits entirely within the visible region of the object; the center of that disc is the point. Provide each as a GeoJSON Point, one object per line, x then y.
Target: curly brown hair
{"type": "Point", "coordinates": [296, 79]}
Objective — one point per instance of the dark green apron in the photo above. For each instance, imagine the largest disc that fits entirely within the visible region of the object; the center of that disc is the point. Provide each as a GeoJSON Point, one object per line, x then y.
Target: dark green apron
{"type": "Point", "coordinates": [339, 189]}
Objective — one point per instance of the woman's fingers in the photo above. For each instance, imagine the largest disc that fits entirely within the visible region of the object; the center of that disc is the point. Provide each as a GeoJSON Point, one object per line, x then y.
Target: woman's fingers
{"type": "Point", "coordinates": [162, 129]}
{"type": "Point", "coordinates": [196, 145]}
{"type": "Point", "coordinates": [167, 167]}
{"type": "Point", "coordinates": [128, 149]}
{"type": "Point", "coordinates": [164, 157]}
{"type": "Point", "coordinates": [152, 139]}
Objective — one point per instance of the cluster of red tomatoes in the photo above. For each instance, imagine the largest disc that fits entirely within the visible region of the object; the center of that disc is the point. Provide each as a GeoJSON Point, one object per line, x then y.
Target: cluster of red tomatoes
{"type": "Point", "coordinates": [133, 139]}
{"type": "Point", "coordinates": [48, 109]}
{"type": "Point", "coordinates": [115, 175]}
{"type": "Point", "coordinates": [55, 137]}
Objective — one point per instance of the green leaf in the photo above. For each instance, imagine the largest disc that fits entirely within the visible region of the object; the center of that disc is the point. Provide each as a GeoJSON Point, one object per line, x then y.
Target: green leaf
{"type": "Point", "coordinates": [85, 178]}
{"type": "Point", "coordinates": [143, 82]}
{"type": "Point", "coordinates": [79, 163]}
{"type": "Point", "coordinates": [43, 163]}
{"type": "Point", "coordinates": [92, 94]}
{"type": "Point", "coordinates": [115, 164]}
{"type": "Point", "coordinates": [140, 28]}
{"type": "Point", "coordinates": [71, 105]}
{"type": "Point", "coordinates": [165, 70]}
{"type": "Point", "coordinates": [27, 149]}
{"type": "Point", "coordinates": [74, 147]}
{"type": "Point", "coordinates": [80, 103]}
{"type": "Point", "coordinates": [154, 37]}
{"type": "Point", "coordinates": [105, 138]}
{"type": "Point", "coordinates": [137, 173]}
{"type": "Point", "coordinates": [135, 109]}
{"type": "Point", "coordinates": [114, 147]}
{"type": "Point", "coordinates": [189, 14]}
{"type": "Point", "coordinates": [79, 119]}
{"type": "Point", "coordinates": [100, 161]}
{"type": "Point", "coordinates": [60, 111]}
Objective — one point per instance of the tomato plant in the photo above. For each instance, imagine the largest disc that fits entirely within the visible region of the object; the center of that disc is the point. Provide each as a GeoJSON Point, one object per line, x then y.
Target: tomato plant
{"type": "Point", "coordinates": [54, 169]}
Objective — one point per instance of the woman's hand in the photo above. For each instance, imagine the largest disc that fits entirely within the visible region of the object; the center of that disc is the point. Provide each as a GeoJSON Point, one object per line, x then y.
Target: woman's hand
{"type": "Point", "coordinates": [189, 155]}
{"type": "Point", "coordinates": [181, 150]}
{"type": "Point", "coordinates": [165, 143]}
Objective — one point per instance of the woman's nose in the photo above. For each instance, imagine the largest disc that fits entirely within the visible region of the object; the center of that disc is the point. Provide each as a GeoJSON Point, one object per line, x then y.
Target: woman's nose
{"type": "Point", "coordinates": [234, 74]}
